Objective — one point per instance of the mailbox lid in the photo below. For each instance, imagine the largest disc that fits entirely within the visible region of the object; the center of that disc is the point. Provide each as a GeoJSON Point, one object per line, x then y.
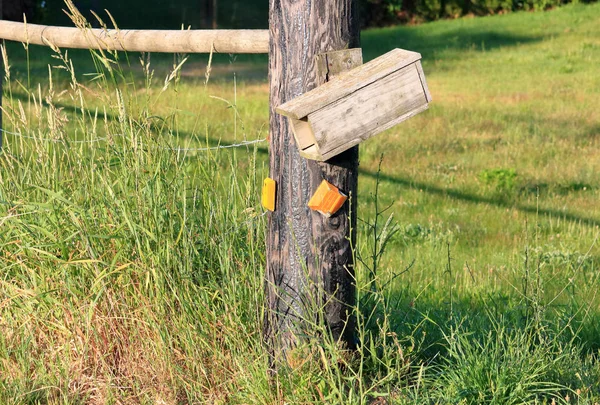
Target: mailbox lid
{"type": "Point", "coordinates": [347, 83]}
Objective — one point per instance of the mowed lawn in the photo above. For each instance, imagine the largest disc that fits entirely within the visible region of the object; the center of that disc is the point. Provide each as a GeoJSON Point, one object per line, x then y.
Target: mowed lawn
{"type": "Point", "coordinates": [131, 257]}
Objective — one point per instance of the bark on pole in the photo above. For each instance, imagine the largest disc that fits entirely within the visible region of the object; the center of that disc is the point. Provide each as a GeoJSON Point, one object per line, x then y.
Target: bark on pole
{"type": "Point", "coordinates": [309, 257]}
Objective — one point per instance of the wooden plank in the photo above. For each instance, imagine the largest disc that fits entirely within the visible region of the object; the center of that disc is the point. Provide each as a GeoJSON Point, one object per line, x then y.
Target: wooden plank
{"type": "Point", "coordinates": [190, 41]}
{"type": "Point", "coordinates": [338, 61]}
{"type": "Point", "coordinates": [347, 83]}
{"type": "Point", "coordinates": [368, 111]}
{"type": "Point", "coordinates": [309, 257]}
{"type": "Point", "coordinates": [424, 82]}
{"type": "Point", "coordinates": [310, 153]}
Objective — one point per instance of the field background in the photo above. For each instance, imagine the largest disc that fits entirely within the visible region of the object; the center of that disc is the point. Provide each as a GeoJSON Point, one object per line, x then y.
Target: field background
{"type": "Point", "coordinates": [132, 257]}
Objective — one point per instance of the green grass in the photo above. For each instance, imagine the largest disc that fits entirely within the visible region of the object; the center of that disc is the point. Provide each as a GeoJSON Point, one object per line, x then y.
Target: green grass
{"type": "Point", "coordinates": [131, 272]}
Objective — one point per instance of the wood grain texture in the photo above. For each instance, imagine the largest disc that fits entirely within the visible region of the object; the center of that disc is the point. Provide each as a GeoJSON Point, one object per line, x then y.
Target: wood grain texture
{"type": "Point", "coordinates": [424, 82]}
{"type": "Point", "coordinates": [347, 83]}
{"type": "Point", "coordinates": [338, 62]}
{"type": "Point", "coordinates": [191, 41]}
{"type": "Point", "coordinates": [368, 111]}
{"type": "Point", "coordinates": [309, 257]}
{"type": "Point", "coordinates": [333, 152]}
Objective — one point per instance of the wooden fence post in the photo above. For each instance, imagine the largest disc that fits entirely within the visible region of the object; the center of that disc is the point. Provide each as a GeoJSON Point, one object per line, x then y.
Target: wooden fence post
{"type": "Point", "coordinates": [309, 257]}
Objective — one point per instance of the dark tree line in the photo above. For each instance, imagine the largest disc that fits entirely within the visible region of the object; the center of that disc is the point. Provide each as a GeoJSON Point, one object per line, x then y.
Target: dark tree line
{"type": "Point", "coordinates": [210, 14]}
{"type": "Point", "coordinates": [14, 10]}
{"type": "Point", "coordinates": [385, 12]}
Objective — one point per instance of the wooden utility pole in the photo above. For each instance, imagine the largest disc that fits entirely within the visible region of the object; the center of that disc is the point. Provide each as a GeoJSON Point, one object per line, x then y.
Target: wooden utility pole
{"type": "Point", "coordinates": [214, 15]}
{"type": "Point", "coordinates": [209, 9]}
{"type": "Point", "coordinates": [309, 257]}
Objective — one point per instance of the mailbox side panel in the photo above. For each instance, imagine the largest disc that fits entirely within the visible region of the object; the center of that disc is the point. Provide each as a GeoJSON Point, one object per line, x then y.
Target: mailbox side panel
{"type": "Point", "coordinates": [336, 151]}
{"type": "Point", "coordinates": [369, 111]}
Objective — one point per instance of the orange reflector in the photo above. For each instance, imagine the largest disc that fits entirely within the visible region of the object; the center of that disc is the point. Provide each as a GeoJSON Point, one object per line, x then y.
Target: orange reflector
{"type": "Point", "coordinates": [268, 194]}
{"type": "Point", "coordinates": [327, 199]}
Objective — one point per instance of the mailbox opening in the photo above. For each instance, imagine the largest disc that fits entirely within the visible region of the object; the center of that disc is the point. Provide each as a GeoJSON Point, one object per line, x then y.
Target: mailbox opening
{"type": "Point", "coordinates": [305, 137]}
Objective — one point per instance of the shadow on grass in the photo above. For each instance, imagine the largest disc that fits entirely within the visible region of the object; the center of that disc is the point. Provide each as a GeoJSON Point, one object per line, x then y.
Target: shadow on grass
{"type": "Point", "coordinates": [478, 199]}
{"type": "Point", "coordinates": [250, 68]}
{"type": "Point", "coordinates": [452, 41]}
{"type": "Point", "coordinates": [429, 319]}
{"type": "Point", "coordinates": [488, 345]}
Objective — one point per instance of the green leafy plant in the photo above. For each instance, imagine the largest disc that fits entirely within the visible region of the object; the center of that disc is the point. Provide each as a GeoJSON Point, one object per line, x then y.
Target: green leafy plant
{"type": "Point", "coordinates": [380, 12]}
{"type": "Point", "coordinates": [484, 7]}
{"type": "Point", "coordinates": [502, 180]}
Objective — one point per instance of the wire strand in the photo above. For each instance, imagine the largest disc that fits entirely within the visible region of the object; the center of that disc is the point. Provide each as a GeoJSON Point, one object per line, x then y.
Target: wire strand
{"type": "Point", "coordinates": [234, 145]}
{"type": "Point", "coordinates": [36, 138]}
{"type": "Point", "coordinates": [177, 149]}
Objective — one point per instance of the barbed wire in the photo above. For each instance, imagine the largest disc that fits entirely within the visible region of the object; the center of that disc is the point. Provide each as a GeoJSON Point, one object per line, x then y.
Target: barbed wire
{"type": "Point", "coordinates": [234, 145]}
{"type": "Point", "coordinates": [37, 138]}
{"type": "Point", "coordinates": [250, 221]}
{"type": "Point", "coordinates": [94, 140]}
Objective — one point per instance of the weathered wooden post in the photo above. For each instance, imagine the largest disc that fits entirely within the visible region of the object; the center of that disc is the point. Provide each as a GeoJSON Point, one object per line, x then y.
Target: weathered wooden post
{"type": "Point", "coordinates": [309, 256]}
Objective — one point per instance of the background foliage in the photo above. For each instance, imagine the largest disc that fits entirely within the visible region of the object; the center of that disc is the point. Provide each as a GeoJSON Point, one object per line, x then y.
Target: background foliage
{"type": "Point", "coordinates": [254, 13]}
{"type": "Point", "coordinates": [386, 12]}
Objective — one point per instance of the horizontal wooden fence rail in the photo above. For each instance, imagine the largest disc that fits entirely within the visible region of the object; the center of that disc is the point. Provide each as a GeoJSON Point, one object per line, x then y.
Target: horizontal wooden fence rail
{"type": "Point", "coordinates": [171, 41]}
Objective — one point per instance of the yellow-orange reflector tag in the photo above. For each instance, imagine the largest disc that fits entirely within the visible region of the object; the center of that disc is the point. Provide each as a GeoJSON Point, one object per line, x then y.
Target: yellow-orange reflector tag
{"type": "Point", "coordinates": [268, 194]}
{"type": "Point", "coordinates": [327, 199]}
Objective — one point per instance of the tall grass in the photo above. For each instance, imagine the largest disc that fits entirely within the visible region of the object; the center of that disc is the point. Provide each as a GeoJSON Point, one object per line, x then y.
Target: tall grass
{"type": "Point", "coordinates": [129, 267]}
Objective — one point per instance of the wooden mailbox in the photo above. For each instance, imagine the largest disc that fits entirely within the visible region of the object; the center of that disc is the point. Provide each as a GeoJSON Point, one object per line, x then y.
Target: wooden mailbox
{"type": "Point", "coordinates": [358, 104]}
